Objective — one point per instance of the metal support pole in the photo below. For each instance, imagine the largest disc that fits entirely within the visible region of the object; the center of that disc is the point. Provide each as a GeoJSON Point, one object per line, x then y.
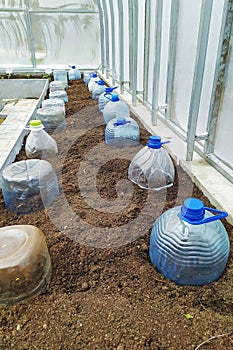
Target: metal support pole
{"type": "Point", "coordinates": [198, 75]}
{"type": "Point", "coordinates": [146, 49]}
{"type": "Point", "coordinates": [172, 56]}
{"type": "Point", "coordinates": [135, 51]}
{"type": "Point", "coordinates": [113, 42]}
{"type": "Point", "coordinates": [130, 15]}
{"type": "Point", "coordinates": [30, 35]}
{"type": "Point", "coordinates": [156, 69]}
{"type": "Point", "coordinates": [121, 44]}
{"type": "Point", "coordinates": [219, 74]}
{"type": "Point", "coordinates": [106, 31]}
{"type": "Point", "coordinates": [101, 36]}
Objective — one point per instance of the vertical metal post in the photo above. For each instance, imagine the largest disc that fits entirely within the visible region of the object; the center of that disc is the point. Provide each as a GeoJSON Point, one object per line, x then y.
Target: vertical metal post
{"type": "Point", "coordinates": [156, 68]}
{"type": "Point", "coordinates": [130, 15]}
{"type": "Point", "coordinates": [219, 74]}
{"type": "Point", "coordinates": [113, 41]}
{"type": "Point", "coordinates": [106, 31]}
{"type": "Point", "coordinates": [101, 36]}
{"type": "Point", "coordinates": [30, 35]}
{"type": "Point", "coordinates": [121, 44]}
{"type": "Point", "coordinates": [146, 49]}
{"type": "Point", "coordinates": [198, 75]}
{"type": "Point", "coordinates": [135, 51]}
{"type": "Point", "coordinates": [174, 17]}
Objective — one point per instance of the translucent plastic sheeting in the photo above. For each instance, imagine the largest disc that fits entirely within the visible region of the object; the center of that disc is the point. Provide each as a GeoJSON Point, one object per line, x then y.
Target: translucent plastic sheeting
{"type": "Point", "coordinates": [224, 140]}
{"type": "Point", "coordinates": [58, 38]}
{"type": "Point", "coordinates": [14, 44]}
{"type": "Point", "coordinates": [51, 4]}
{"type": "Point", "coordinates": [186, 50]}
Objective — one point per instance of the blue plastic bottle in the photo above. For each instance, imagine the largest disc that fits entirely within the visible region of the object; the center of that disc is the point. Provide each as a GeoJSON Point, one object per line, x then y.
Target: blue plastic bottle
{"type": "Point", "coordinates": [189, 245]}
{"type": "Point", "coordinates": [122, 132]}
{"type": "Point", "coordinates": [74, 73]}
{"type": "Point", "coordinates": [152, 168]}
{"type": "Point", "coordinates": [105, 97]}
{"type": "Point", "coordinates": [98, 89]}
{"type": "Point", "coordinates": [115, 108]}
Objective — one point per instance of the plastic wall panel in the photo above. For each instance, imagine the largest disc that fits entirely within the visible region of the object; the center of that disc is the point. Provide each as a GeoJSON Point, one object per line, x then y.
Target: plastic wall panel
{"type": "Point", "coordinates": [64, 4]}
{"type": "Point", "coordinates": [215, 27]}
{"type": "Point", "coordinates": [141, 36]}
{"type": "Point", "coordinates": [14, 45]}
{"type": "Point", "coordinates": [12, 3]}
{"type": "Point", "coordinates": [224, 139]}
{"type": "Point", "coordinates": [59, 37]}
{"type": "Point", "coordinates": [189, 16]}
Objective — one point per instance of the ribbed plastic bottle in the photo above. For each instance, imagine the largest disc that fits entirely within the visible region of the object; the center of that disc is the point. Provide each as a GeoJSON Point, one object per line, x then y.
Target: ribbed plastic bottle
{"type": "Point", "coordinates": [92, 83]}
{"type": "Point", "coordinates": [86, 77]}
{"type": "Point", "coordinates": [53, 118]}
{"type": "Point", "coordinates": [189, 244]}
{"type": "Point", "coordinates": [39, 143]}
{"type": "Point", "coordinates": [56, 85]}
{"type": "Point", "coordinates": [60, 74]}
{"type": "Point", "coordinates": [115, 108]}
{"type": "Point", "coordinates": [152, 168]}
{"type": "Point", "coordinates": [122, 132]}
{"type": "Point", "coordinates": [105, 97]}
{"type": "Point", "coordinates": [98, 89]}
{"type": "Point", "coordinates": [62, 94]}
{"type": "Point", "coordinates": [74, 73]}
{"type": "Point", "coordinates": [53, 102]}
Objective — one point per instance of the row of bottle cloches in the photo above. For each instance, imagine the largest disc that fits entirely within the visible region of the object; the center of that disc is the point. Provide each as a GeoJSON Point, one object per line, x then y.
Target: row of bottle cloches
{"type": "Point", "coordinates": [189, 244]}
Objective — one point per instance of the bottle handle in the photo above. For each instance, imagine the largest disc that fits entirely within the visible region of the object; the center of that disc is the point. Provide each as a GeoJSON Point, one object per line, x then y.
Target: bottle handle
{"type": "Point", "coordinates": [105, 95]}
{"type": "Point", "coordinates": [119, 123]}
{"type": "Point", "coordinates": [220, 215]}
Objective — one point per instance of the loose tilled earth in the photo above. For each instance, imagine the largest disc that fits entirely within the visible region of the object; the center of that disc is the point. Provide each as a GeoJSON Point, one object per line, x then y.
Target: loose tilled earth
{"type": "Point", "coordinates": [104, 293]}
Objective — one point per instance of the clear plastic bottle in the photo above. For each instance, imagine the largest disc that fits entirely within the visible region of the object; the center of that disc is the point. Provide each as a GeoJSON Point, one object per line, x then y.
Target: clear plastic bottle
{"type": "Point", "coordinates": [53, 102]}
{"type": "Point", "coordinates": [115, 108]}
{"type": "Point", "coordinates": [92, 83]}
{"type": "Point", "coordinates": [189, 245]}
{"type": "Point", "coordinates": [74, 73]}
{"type": "Point", "coordinates": [25, 265]}
{"type": "Point", "coordinates": [98, 89]}
{"type": "Point", "coordinates": [56, 85]}
{"type": "Point", "coordinates": [86, 77]}
{"type": "Point", "coordinates": [52, 118]}
{"type": "Point", "coordinates": [60, 74]}
{"type": "Point", "coordinates": [122, 132]}
{"type": "Point", "coordinates": [62, 94]}
{"type": "Point", "coordinates": [39, 143]}
{"type": "Point", "coordinates": [152, 168]}
{"type": "Point", "coordinates": [29, 185]}
{"type": "Point", "coordinates": [105, 97]}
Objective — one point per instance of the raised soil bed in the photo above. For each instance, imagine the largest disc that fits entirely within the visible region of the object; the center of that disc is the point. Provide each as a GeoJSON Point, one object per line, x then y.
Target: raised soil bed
{"type": "Point", "coordinates": [104, 292]}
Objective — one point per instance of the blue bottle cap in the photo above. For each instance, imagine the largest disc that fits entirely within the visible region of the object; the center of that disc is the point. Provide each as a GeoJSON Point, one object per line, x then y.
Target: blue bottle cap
{"type": "Point", "coordinates": [121, 121]}
{"type": "Point", "coordinates": [115, 98]}
{"type": "Point", "coordinates": [154, 142]}
{"type": "Point", "coordinates": [192, 210]}
{"type": "Point", "coordinates": [93, 75]}
{"type": "Point", "coordinates": [108, 89]}
{"type": "Point", "coordinates": [100, 82]}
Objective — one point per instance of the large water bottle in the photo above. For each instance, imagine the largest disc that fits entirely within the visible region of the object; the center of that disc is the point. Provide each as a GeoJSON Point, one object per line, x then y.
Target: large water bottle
{"type": "Point", "coordinates": [52, 118]}
{"type": "Point", "coordinates": [61, 75]}
{"type": "Point", "coordinates": [152, 168]}
{"type": "Point", "coordinates": [86, 77]}
{"type": "Point", "coordinates": [39, 143]}
{"type": "Point", "coordinates": [115, 108]}
{"type": "Point", "coordinates": [53, 102]}
{"type": "Point", "coordinates": [105, 97]}
{"type": "Point", "coordinates": [25, 265]}
{"type": "Point", "coordinates": [122, 132]}
{"type": "Point", "coordinates": [74, 73]}
{"type": "Point", "coordinates": [92, 82]}
{"type": "Point", "coordinates": [98, 89]}
{"type": "Point", "coordinates": [189, 245]}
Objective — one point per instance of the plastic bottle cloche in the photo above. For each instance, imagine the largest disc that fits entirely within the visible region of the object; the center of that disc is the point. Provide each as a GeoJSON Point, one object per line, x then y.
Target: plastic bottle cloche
{"type": "Point", "coordinates": [122, 132]}
{"type": "Point", "coordinates": [189, 244]}
{"type": "Point", "coordinates": [115, 108]}
{"type": "Point", "coordinates": [98, 89]}
{"type": "Point", "coordinates": [93, 80]}
{"type": "Point", "coordinates": [25, 265]}
{"type": "Point", "coordinates": [39, 143]}
{"type": "Point", "coordinates": [74, 73]}
{"type": "Point", "coordinates": [152, 168]}
{"type": "Point", "coordinates": [105, 97]}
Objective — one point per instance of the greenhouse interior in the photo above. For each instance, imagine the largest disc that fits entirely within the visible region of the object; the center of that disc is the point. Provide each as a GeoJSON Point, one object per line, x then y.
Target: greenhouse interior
{"type": "Point", "coordinates": [116, 174]}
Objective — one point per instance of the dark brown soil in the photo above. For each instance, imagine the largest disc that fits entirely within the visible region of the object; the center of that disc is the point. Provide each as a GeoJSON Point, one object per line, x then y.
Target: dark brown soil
{"type": "Point", "coordinates": [104, 293]}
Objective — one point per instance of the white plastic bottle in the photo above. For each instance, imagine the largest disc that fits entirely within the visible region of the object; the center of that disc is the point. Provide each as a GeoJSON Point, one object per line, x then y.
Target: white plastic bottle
{"type": "Point", "coordinates": [74, 73]}
{"type": "Point", "coordinates": [92, 82]}
{"type": "Point", "coordinates": [115, 108]}
{"type": "Point", "coordinates": [39, 143]}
